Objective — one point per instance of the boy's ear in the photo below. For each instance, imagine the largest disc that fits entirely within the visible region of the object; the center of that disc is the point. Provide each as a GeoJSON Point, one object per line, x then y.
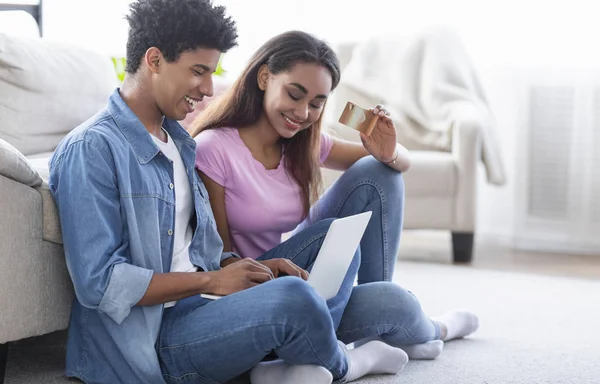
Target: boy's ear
{"type": "Point", "coordinates": [153, 59]}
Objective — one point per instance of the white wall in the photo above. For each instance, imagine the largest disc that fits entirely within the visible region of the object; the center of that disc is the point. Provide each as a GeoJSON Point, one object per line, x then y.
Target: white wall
{"type": "Point", "coordinates": [496, 208]}
{"type": "Point", "coordinates": [530, 32]}
{"type": "Point", "coordinates": [95, 24]}
{"type": "Point", "coordinates": [511, 32]}
{"type": "Point", "coordinates": [504, 39]}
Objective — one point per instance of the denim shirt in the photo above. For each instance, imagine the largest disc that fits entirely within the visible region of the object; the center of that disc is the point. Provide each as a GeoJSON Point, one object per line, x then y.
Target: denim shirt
{"type": "Point", "coordinates": [114, 190]}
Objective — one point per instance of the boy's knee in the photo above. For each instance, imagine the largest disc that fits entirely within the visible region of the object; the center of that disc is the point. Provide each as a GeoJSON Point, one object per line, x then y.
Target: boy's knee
{"type": "Point", "coordinates": [294, 291]}
{"type": "Point", "coordinates": [296, 300]}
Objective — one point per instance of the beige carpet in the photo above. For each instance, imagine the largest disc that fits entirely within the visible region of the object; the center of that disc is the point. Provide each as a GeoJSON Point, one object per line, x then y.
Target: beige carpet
{"type": "Point", "coordinates": [534, 329]}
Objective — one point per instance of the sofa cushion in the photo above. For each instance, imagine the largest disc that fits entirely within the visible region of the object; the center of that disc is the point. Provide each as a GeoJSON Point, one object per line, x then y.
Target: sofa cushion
{"type": "Point", "coordinates": [431, 174]}
{"type": "Point", "coordinates": [47, 89]}
{"type": "Point", "coordinates": [16, 167]}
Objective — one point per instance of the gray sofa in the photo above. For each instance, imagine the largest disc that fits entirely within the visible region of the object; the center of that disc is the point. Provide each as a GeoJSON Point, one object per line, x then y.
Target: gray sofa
{"type": "Point", "coordinates": [46, 90]}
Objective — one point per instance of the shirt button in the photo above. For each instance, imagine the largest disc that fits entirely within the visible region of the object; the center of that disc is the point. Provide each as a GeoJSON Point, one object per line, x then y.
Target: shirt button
{"type": "Point", "coordinates": [170, 232]}
{"type": "Point", "coordinates": [171, 185]}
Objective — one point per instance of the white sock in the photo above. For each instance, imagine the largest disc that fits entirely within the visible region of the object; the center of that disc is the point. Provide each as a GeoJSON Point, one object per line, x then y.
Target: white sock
{"type": "Point", "coordinates": [279, 372]}
{"type": "Point", "coordinates": [458, 323]}
{"type": "Point", "coordinates": [373, 358]}
{"type": "Point", "coordinates": [425, 351]}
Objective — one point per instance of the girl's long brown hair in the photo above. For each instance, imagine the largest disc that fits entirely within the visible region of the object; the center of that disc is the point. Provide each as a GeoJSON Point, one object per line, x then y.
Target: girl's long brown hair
{"type": "Point", "coordinates": [242, 105]}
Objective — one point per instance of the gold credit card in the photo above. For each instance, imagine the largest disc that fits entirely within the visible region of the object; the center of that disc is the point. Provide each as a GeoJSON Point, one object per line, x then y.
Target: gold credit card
{"type": "Point", "coordinates": [358, 118]}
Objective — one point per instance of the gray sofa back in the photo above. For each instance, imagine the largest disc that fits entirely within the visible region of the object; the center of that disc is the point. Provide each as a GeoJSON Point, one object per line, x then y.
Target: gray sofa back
{"type": "Point", "coordinates": [47, 89]}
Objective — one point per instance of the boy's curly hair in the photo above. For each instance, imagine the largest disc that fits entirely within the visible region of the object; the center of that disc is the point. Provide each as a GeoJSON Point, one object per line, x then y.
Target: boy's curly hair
{"type": "Point", "coordinates": [176, 26]}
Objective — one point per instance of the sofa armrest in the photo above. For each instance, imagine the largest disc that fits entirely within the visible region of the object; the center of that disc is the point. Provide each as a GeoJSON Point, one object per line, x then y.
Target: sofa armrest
{"type": "Point", "coordinates": [15, 166]}
{"type": "Point", "coordinates": [466, 151]}
{"type": "Point", "coordinates": [35, 288]}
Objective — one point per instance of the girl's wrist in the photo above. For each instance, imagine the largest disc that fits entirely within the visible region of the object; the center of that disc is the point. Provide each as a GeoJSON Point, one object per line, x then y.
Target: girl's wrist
{"type": "Point", "coordinates": [393, 160]}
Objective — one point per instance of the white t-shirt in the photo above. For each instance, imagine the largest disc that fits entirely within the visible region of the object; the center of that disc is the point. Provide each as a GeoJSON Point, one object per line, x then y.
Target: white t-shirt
{"type": "Point", "coordinates": [184, 208]}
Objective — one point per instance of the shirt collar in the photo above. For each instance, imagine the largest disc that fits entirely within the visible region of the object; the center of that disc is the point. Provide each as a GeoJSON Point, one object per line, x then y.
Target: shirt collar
{"type": "Point", "coordinates": [134, 131]}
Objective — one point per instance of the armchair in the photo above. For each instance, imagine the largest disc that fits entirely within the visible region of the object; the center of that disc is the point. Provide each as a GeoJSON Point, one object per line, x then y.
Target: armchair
{"type": "Point", "coordinates": [441, 186]}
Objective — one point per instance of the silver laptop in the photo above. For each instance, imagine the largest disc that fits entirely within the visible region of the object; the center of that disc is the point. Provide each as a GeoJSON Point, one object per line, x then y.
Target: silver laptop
{"type": "Point", "coordinates": [335, 255]}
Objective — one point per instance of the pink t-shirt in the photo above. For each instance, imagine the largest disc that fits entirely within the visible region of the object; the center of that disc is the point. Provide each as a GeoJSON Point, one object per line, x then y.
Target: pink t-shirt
{"type": "Point", "coordinates": [260, 204]}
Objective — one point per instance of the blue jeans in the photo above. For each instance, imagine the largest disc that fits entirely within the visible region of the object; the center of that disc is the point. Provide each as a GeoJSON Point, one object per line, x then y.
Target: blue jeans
{"type": "Point", "coordinates": [204, 341]}
{"type": "Point", "coordinates": [377, 307]}
{"type": "Point", "coordinates": [368, 185]}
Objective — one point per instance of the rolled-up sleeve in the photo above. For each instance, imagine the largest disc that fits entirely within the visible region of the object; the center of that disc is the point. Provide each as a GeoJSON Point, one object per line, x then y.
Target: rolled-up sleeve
{"type": "Point", "coordinates": [84, 184]}
{"type": "Point", "coordinates": [228, 255]}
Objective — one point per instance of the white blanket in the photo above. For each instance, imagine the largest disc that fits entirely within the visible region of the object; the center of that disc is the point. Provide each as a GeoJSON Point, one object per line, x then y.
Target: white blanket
{"type": "Point", "coordinates": [431, 80]}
